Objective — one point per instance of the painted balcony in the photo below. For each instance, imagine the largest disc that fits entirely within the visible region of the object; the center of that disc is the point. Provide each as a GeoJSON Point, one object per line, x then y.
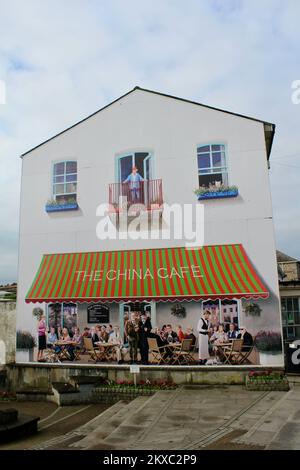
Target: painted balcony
{"type": "Point", "coordinates": [143, 195]}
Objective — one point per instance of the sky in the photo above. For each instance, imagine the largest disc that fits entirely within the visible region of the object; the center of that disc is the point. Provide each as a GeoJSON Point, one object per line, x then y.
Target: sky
{"type": "Point", "coordinates": [61, 60]}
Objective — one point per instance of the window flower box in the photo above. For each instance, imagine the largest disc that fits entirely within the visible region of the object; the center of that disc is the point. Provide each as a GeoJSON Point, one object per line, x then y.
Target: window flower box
{"type": "Point", "coordinates": [56, 207]}
{"type": "Point", "coordinates": [217, 192]}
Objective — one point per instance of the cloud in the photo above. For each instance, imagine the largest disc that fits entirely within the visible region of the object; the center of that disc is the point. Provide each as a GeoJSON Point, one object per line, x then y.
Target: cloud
{"type": "Point", "coordinates": [62, 60]}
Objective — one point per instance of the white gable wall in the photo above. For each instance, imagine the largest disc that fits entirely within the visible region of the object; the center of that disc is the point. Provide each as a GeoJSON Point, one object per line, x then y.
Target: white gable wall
{"type": "Point", "coordinates": [171, 129]}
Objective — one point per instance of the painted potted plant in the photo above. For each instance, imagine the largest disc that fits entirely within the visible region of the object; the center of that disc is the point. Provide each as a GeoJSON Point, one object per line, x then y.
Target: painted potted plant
{"type": "Point", "coordinates": [25, 345]}
{"type": "Point", "coordinates": [178, 310]}
{"type": "Point", "coordinates": [252, 309]}
{"type": "Point", "coordinates": [269, 346]}
{"type": "Point", "coordinates": [216, 192]}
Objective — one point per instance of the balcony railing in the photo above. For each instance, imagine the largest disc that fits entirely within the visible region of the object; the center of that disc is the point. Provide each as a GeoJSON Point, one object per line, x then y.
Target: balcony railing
{"type": "Point", "coordinates": [146, 194]}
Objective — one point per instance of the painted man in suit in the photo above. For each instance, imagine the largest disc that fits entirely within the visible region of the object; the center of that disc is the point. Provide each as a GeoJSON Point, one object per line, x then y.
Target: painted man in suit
{"type": "Point", "coordinates": [145, 328]}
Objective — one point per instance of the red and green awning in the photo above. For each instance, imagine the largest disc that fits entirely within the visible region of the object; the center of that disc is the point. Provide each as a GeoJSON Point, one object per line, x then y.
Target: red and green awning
{"type": "Point", "coordinates": [220, 271]}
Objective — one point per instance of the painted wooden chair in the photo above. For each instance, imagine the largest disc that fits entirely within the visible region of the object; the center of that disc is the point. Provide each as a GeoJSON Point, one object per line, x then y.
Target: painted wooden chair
{"type": "Point", "coordinates": [158, 352]}
{"type": "Point", "coordinates": [182, 354]}
{"type": "Point", "coordinates": [94, 353]}
{"type": "Point", "coordinates": [231, 354]}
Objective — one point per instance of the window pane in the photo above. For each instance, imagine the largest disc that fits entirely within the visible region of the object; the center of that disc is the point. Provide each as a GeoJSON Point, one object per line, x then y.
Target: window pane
{"type": "Point", "coordinates": [71, 188]}
{"type": "Point", "coordinates": [297, 330]}
{"type": "Point", "coordinates": [71, 178]}
{"type": "Point", "coordinates": [139, 158]}
{"type": "Point", "coordinates": [217, 159]}
{"type": "Point", "coordinates": [54, 316]}
{"type": "Point", "coordinates": [284, 317]}
{"type": "Point", "coordinates": [297, 318]}
{"type": "Point", "coordinates": [210, 180]}
{"type": "Point", "coordinates": [290, 317]}
{"type": "Point", "coordinates": [216, 148]}
{"type": "Point", "coordinates": [58, 189]}
{"type": "Point", "coordinates": [69, 316]}
{"type": "Point", "coordinates": [71, 167]}
{"type": "Point", "coordinates": [290, 304]}
{"type": "Point", "coordinates": [59, 168]}
{"type": "Point", "coordinates": [296, 304]}
{"type": "Point", "coordinates": [58, 179]}
{"type": "Point", "coordinates": [204, 160]}
{"type": "Point", "coordinates": [125, 166]}
{"type": "Point", "coordinates": [290, 332]}
{"type": "Point", "coordinates": [205, 148]}
{"type": "Point", "coordinates": [66, 198]}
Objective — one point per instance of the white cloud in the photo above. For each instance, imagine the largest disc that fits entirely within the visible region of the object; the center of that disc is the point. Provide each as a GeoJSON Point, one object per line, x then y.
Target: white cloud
{"type": "Point", "coordinates": [62, 60]}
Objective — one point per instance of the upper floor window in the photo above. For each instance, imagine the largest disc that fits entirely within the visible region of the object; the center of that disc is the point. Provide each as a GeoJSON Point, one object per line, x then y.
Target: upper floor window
{"type": "Point", "coordinates": [212, 166]}
{"type": "Point", "coordinates": [65, 181]}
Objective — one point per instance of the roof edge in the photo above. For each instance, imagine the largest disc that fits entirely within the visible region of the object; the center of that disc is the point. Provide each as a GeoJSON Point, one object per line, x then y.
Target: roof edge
{"type": "Point", "coordinates": [266, 123]}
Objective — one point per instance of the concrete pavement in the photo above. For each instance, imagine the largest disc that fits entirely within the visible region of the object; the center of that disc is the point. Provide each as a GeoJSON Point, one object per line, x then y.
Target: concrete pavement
{"type": "Point", "coordinates": [190, 417]}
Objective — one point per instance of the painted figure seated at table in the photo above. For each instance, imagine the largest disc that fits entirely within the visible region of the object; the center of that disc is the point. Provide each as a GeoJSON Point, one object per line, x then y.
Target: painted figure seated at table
{"type": "Point", "coordinates": [77, 337]}
{"type": "Point", "coordinates": [246, 337]}
{"type": "Point", "coordinates": [86, 332]}
{"type": "Point", "coordinates": [180, 333]}
{"type": "Point", "coordinates": [103, 335]}
{"type": "Point", "coordinates": [232, 333]}
{"type": "Point", "coordinates": [51, 338]}
{"type": "Point", "coordinates": [121, 348]}
{"type": "Point", "coordinates": [220, 336]}
{"type": "Point", "coordinates": [94, 335]}
{"type": "Point", "coordinates": [65, 337]}
{"type": "Point", "coordinates": [158, 334]}
{"type": "Point", "coordinates": [170, 335]}
{"type": "Point", "coordinates": [190, 335]}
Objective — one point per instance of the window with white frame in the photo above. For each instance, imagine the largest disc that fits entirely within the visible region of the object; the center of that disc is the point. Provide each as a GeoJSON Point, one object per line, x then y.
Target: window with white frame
{"type": "Point", "coordinates": [212, 165]}
{"type": "Point", "coordinates": [62, 315]}
{"type": "Point", "coordinates": [64, 186]}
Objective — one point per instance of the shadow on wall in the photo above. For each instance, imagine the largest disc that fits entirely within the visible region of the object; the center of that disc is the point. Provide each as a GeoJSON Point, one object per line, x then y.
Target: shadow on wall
{"type": "Point", "coordinates": [2, 352]}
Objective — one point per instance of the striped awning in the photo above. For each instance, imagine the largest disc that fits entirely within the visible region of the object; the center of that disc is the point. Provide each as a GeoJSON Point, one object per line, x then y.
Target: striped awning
{"type": "Point", "coordinates": [220, 271]}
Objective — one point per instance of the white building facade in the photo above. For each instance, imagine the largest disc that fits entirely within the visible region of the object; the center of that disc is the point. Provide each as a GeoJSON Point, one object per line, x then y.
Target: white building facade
{"type": "Point", "coordinates": [179, 145]}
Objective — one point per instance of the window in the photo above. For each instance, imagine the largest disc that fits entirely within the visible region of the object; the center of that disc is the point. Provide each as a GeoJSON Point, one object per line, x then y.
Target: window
{"type": "Point", "coordinates": [222, 311]}
{"type": "Point", "coordinates": [62, 315]}
{"type": "Point", "coordinates": [290, 310]}
{"type": "Point", "coordinates": [212, 168]}
{"type": "Point", "coordinates": [65, 181]}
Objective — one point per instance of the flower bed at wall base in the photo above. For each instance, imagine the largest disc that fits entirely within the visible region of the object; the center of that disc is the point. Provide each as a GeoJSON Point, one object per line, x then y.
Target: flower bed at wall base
{"type": "Point", "coordinates": [267, 380]}
{"type": "Point", "coordinates": [7, 396]}
{"type": "Point", "coordinates": [142, 384]}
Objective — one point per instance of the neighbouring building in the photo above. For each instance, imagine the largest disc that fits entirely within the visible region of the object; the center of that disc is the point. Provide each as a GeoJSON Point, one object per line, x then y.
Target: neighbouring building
{"type": "Point", "coordinates": [289, 287]}
{"type": "Point", "coordinates": [7, 331]}
{"type": "Point", "coordinates": [177, 146]}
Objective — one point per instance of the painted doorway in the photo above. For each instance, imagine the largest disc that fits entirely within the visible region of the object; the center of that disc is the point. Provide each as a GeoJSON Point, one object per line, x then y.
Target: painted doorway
{"type": "Point", "coordinates": [127, 308]}
{"type": "Point", "coordinates": [143, 162]}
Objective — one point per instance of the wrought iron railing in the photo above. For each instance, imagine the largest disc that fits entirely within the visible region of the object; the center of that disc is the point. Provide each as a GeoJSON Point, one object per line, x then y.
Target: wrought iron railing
{"type": "Point", "coordinates": [147, 193]}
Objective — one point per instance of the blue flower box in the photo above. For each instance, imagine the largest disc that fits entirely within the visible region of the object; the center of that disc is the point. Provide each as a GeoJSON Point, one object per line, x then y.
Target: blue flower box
{"type": "Point", "coordinates": [61, 207]}
{"type": "Point", "coordinates": [218, 194]}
